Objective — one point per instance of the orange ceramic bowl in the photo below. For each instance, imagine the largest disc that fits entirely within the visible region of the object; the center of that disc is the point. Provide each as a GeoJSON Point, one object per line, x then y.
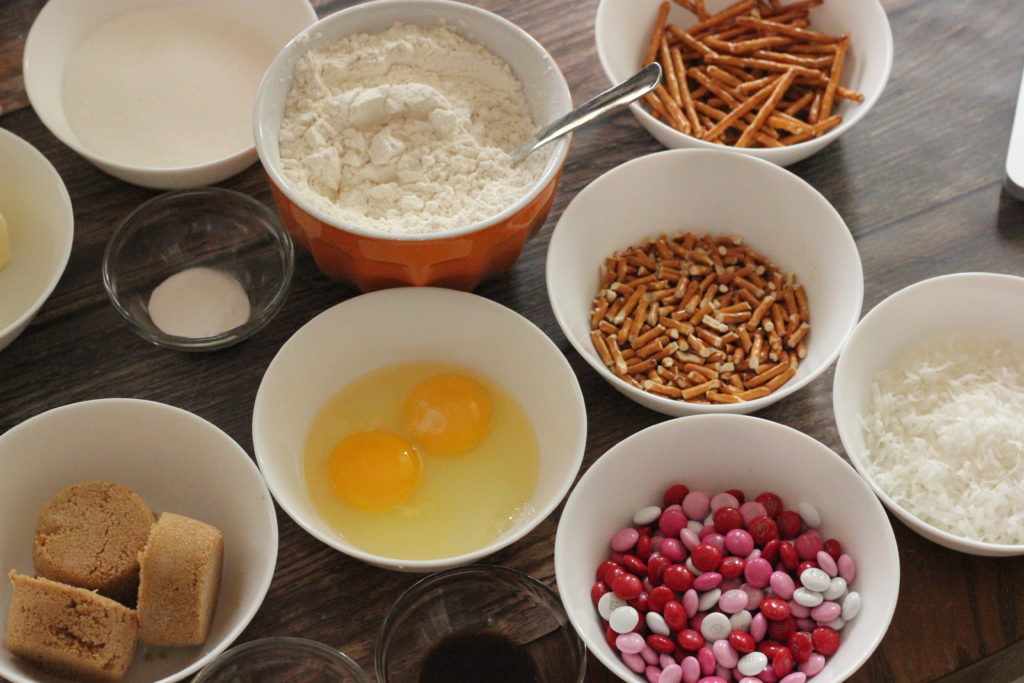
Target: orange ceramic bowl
{"type": "Point", "coordinates": [461, 258]}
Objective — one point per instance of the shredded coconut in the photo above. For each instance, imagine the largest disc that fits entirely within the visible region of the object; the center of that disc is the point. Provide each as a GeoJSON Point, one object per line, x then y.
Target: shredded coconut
{"type": "Point", "coordinates": [406, 131]}
{"type": "Point", "coordinates": [945, 436]}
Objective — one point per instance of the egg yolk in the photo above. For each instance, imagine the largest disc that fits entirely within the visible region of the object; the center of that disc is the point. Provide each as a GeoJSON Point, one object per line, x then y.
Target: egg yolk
{"type": "Point", "coordinates": [448, 414]}
{"type": "Point", "coordinates": [374, 470]}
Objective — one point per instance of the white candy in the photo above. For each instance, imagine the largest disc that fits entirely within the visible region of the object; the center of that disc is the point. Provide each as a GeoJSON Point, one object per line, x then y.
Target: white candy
{"type": "Point", "coordinates": [657, 624]}
{"type": "Point", "coordinates": [806, 598]}
{"type": "Point", "coordinates": [647, 515]}
{"type": "Point", "coordinates": [816, 580]}
{"type": "Point", "coordinates": [709, 599]}
{"type": "Point", "coordinates": [694, 526]}
{"type": "Point", "coordinates": [851, 605]}
{"type": "Point", "coordinates": [838, 623]}
{"type": "Point", "coordinates": [624, 619]}
{"type": "Point", "coordinates": [715, 627]}
{"type": "Point", "coordinates": [810, 515]}
{"type": "Point", "coordinates": [752, 663]}
{"type": "Point", "coordinates": [836, 589]}
{"type": "Point", "coordinates": [607, 604]}
{"type": "Point", "coordinates": [741, 621]}
{"type": "Point", "coordinates": [693, 570]}
{"type": "Point", "coordinates": [710, 519]}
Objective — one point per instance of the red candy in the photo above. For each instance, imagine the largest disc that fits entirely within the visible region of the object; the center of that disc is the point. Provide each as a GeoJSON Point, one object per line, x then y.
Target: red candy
{"type": "Point", "coordinates": [788, 556]}
{"type": "Point", "coordinates": [763, 529]}
{"type": "Point", "coordinates": [603, 568]}
{"type": "Point", "coordinates": [833, 548]}
{"type": "Point", "coordinates": [674, 494]}
{"type": "Point", "coordinates": [772, 503]}
{"type": "Point", "coordinates": [773, 609]}
{"type": "Point", "coordinates": [825, 640]}
{"type": "Point", "coordinates": [743, 642]}
{"type": "Point", "coordinates": [675, 615]}
{"type": "Point", "coordinates": [658, 598]}
{"type": "Point", "coordinates": [770, 551]}
{"type": "Point", "coordinates": [597, 590]}
{"type": "Point", "coordinates": [789, 523]}
{"type": "Point", "coordinates": [727, 518]}
{"type": "Point", "coordinates": [769, 647]}
{"type": "Point", "coordinates": [732, 567]}
{"type": "Point", "coordinates": [801, 646]}
{"type": "Point", "coordinates": [628, 586]}
{"type": "Point", "coordinates": [640, 603]}
{"type": "Point", "coordinates": [782, 662]}
{"type": "Point", "coordinates": [690, 640]}
{"type": "Point", "coordinates": [706, 557]}
{"type": "Point", "coordinates": [781, 630]}
{"type": "Point", "coordinates": [656, 566]}
{"type": "Point", "coordinates": [643, 547]}
{"type": "Point", "coordinates": [634, 565]}
{"type": "Point", "coordinates": [806, 564]}
{"type": "Point", "coordinates": [737, 494]}
{"type": "Point", "coordinates": [678, 577]}
{"type": "Point", "coordinates": [660, 643]}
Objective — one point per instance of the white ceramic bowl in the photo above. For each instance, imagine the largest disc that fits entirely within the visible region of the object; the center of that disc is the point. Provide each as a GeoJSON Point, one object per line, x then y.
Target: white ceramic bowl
{"type": "Point", "coordinates": [405, 325]}
{"type": "Point", "coordinates": [623, 29]}
{"type": "Point", "coordinates": [752, 455]}
{"type": "Point", "coordinates": [41, 226]}
{"type": "Point", "coordinates": [177, 462]}
{"type": "Point", "coordinates": [774, 211]}
{"type": "Point", "coordinates": [62, 25]}
{"type": "Point", "coordinates": [899, 324]}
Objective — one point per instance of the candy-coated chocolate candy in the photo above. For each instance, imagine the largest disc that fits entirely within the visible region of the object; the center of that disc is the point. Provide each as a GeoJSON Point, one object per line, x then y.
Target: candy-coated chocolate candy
{"type": "Point", "coordinates": [623, 540]}
{"type": "Point", "coordinates": [630, 643]}
{"type": "Point", "coordinates": [707, 661]}
{"type": "Point", "coordinates": [674, 494]}
{"type": "Point", "coordinates": [732, 567]}
{"type": "Point", "coordinates": [807, 624]}
{"type": "Point", "coordinates": [833, 548]}
{"type": "Point", "coordinates": [826, 612]}
{"type": "Point", "coordinates": [815, 579]}
{"type": "Point", "coordinates": [733, 601]}
{"type": "Point", "coordinates": [754, 596]}
{"type": "Point", "coordinates": [644, 547]}
{"type": "Point", "coordinates": [758, 627]}
{"type": "Point", "coordinates": [797, 610]}
{"type": "Point", "coordinates": [673, 549]}
{"type": "Point", "coordinates": [597, 590]}
{"type": "Point", "coordinates": [808, 544]}
{"type": "Point", "coordinates": [795, 677]}
{"type": "Point", "coordinates": [724, 499]}
{"type": "Point", "coordinates": [758, 572]}
{"type": "Point", "coordinates": [671, 674]}
{"type": "Point", "coordinates": [763, 529]}
{"type": "Point", "coordinates": [836, 589]}
{"type": "Point", "coordinates": [838, 623]}
{"type": "Point", "coordinates": [675, 615]}
{"type": "Point", "coordinates": [706, 557]}
{"type": "Point", "coordinates": [728, 518]}
{"type": "Point", "coordinates": [649, 655]}
{"type": "Point", "coordinates": [634, 565]}
{"type": "Point", "coordinates": [709, 599]}
{"type": "Point", "coordinates": [708, 581]}
{"type": "Point", "coordinates": [627, 586]}
{"type": "Point", "coordinates": [665, 660]}
{"type": "Point", "coordinates": [782, 662]}
{"type": "Point", "coordinates": [789, 523]}
{"type": "Point", "coordinates": [693, 569]}
{"type": "Point", "coordinates": [624, 619]}
{"type": "Point", "coordinates": [771, 502]}
{"type": "Point", "coordinates": [660, 643]}
{"type": "Point", "coordinates": [652, 674]}
{"type": "Point", "coordinates": [725, 653]}
{"type": "Point", "coordinates": [739, 542]}
{"type": "Point", "coordinates": [691, 669]}
{"type": "Point", "coordinates": [774, 609]}
{"type": "Point", "coordinates": [752, 509]}
{"type": "Point", "coordinates": [851, 605]}
{"type": "Point", "coordinates": [807, 598]}
{"type": "Point", "coordinates": [646, 515]}
{"type": "Point", "coordinates": [788, 556]}
{"type": "Point", "coordinates": [813, 666]}
{"type": "Point", "coordinates": [752, 664]}
{"type": "Point", "coordinates": [716, 539]}
{"type": "Point", "coordinates": [810, 515]}
{"type": "Point", "coordinates": [635, 663]}
{"type": "Point", "coordinates": [715, 626]}
{"type": "Point", "coordinates": [782, 585]}
{"type": "Point", "coordinates": [690, 640]}
{"type": "Point", "coordinates": [741, 621]}
{"type": "Point", "coordinates": [610, 636]}
{"type": "Point", "coordinates": [656, 566]}
{"type": "Point", "coordinates": [847, 568]}
{"type": "Point", "coordinates": [826, 563]}
{"type": "Point", "coordinates": [689, 538]}
{"type": "Point", "coordinates": [659, 596]}
{"type": "Point", "coordinates": [781, 630]}
{"type": "Point", "coordinates": [800, 645]}
{"type": "Point", "coordinates": [671, 521]}
{"type": "Point", "coordinates": [742, 642]}
{"type": "Point", "coordinates": [696, 504]}
{"type": "Point", "coordinates": [640, 603]}
{"type": "Point", "coordinates": [677, 577]}
{"type": "Point", "coordinates": [825, 640]}
{"type": "Point", "coordinates": [607, 604]}
{"type": "Point", "coordinates": [690, 601]}
{"type": "Point", "coordinates": [770, 551]}
{"type": "Point", "coordinates": [805, 565]}
{"type": "Point", "coordinates": [737, 494]}
{"type": "Point", "coordinates": [769, 647]}
{"type": "Point", "coordinates": [603, 568]}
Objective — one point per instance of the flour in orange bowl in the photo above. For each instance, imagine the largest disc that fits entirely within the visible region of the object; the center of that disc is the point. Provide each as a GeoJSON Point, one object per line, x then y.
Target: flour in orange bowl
{"type": "Point", "coordinates": [407, 131]}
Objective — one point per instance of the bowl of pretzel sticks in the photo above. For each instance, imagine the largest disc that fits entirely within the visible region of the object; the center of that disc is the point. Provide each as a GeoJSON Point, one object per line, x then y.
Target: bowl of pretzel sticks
{"type": "Point", "coordinates": [775, 79]}
{"type": "Point", "coordinates": [703, 281]}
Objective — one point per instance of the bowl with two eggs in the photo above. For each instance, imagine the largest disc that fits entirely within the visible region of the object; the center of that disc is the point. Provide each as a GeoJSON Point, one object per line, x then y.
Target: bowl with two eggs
{"type": "Point", "coordinates": [385, 128]}
{"type": "Point", "coordinates": [419, 429]}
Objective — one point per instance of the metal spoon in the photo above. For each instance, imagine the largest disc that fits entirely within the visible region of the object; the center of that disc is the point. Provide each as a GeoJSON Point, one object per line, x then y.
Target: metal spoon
{"type": "Point", "coordinates": [633, 88]}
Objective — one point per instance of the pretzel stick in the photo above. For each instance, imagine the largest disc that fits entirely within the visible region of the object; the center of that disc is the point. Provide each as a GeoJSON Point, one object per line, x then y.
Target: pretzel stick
{"type": "Point", "coordinates": [658, 107]}
{"type": "Point", "coordinates": [684, 92]}
{"type": "Point", "coordinates": [809, 62]}
{"type": "Point", "coordinates": [765, 64]}
{"type": "Point", "coordinates": [747, 46]}
{"type": "Point", "coordinates": [687, 4]}
{"type": "Point", "coordinates": [812, 48]}
{"type": "Point", "coordinates": [849, 94]}
{"type": "Point", "coordinates": [766, 109]}
{"type": "Point", "coordinates": [812, 116]}
{"type": "Point", "coordinates": [726, 14]}
{"type": "Point", "coordinates": [805, 5]}
{"type": "Point", "coordinates": [800, 104]}
{"type": "Point", "coordinates": [837, 68]}
{"type": "Point", "coordinates": [755, 100]}
{"type": "Point", "coordinates": [670, 72]}
{"type": "Point", "coordinates": [700, 11]}
{"type": "Point", "coordinates": [674, 112]}
{"type": "Point", "coordinates": [786, 29]}
{"type": "Point", "coordinates": [659, 29]}
{"type": "Point", "coordinates": [690, 41]}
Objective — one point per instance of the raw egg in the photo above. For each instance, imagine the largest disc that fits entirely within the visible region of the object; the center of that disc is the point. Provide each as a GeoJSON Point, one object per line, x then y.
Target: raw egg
{"type": "Point", "coordinates": [374, 470]}
{"type": "Point", "coordinates": [448, 413]}
{"type": "Point", "coordinates": [422, 461]}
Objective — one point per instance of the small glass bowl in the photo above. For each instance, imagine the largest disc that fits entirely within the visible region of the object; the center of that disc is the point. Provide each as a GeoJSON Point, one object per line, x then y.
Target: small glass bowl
{"type": "Point", "coordinates": [209, 227]}
{"type": "Point", "coordinates": [474, 599]}
{"type": "Point", "coordinates": [282, 659]}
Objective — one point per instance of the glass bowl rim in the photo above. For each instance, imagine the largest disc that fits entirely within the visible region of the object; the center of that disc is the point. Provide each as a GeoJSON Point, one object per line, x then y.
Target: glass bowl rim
{"type": "Point", "coordinates": [289, 643]}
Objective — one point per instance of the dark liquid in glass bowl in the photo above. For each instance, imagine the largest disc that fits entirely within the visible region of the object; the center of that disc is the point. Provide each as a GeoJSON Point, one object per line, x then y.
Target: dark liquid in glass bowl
{"type": "Point", "coordinates": [478, 656]}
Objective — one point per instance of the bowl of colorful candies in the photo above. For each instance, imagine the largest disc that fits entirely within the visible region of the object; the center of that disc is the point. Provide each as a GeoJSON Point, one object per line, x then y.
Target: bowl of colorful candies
{"type": "Point", "coordinates": [729, 546]}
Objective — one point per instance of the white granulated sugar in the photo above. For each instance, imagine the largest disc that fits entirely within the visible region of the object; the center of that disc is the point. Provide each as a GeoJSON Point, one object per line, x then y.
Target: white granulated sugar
{"type": "Point", "coordinates": [945, 436]}
{"type": "Point", "coordinates": [407, 131]}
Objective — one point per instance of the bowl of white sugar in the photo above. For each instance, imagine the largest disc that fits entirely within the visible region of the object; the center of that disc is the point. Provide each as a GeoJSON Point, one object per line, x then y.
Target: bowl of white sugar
{"type": "Point", "coordinates": [385, 131]}
{"type": "Point", "coordinates": [199, 269]}
{"type": "Point", "coordinates": [928, 400]}
{"type": "Point", "coordinates": [156, 94]}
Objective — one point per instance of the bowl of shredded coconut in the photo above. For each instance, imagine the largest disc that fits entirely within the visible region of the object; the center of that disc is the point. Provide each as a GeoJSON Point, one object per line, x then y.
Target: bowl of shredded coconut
{"type": "Point", "coordinates": [385, 131]}
{"type": "Point", "coordinates": [929, 401]}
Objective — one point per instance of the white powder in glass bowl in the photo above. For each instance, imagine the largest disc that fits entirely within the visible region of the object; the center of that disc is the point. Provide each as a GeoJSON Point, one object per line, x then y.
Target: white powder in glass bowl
{"type": "Point", "coordinates": [407, 131]}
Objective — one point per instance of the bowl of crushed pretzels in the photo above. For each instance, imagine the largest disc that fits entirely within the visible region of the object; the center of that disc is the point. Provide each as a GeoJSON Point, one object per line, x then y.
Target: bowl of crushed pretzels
{"type": "Point", "coordinates": [776, 80]}
{"type": "Point", "coordinates": [703, 281]}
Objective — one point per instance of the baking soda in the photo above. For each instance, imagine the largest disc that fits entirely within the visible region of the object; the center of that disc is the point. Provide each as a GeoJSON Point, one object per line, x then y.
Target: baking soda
{"type": "Point", "coordinates": [199, 302]}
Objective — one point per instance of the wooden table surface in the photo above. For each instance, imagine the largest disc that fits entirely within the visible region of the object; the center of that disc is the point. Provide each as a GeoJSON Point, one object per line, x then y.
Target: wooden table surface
{"type": "Point", "coordinates": [918, 181]}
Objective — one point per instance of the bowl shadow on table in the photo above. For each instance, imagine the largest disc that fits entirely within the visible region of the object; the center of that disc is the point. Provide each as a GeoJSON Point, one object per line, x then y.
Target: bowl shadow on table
{"type": "Point", "coordinates": [1010, 219]}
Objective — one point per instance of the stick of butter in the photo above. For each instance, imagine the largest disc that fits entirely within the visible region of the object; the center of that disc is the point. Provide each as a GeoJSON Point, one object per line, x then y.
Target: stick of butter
{"type": "Point", "coordinates": [5, 244]}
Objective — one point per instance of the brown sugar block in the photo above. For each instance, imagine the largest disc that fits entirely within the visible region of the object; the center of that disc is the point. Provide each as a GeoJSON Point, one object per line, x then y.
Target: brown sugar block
{"type": "Point", "coordinates": [90, 534]}
{"type": "Point", "coordinates": [70, 631]}
{"type": "Point", "coordinates": [179, 580]}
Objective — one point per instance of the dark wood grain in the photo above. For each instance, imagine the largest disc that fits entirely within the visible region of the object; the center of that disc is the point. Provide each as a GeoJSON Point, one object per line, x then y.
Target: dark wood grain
{"type": "Point", "coordinates": [918, 182]}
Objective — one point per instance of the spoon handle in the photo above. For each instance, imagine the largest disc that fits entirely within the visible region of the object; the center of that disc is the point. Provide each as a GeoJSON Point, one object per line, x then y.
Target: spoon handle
{"type": "Point", "coordinates": [610, 100]}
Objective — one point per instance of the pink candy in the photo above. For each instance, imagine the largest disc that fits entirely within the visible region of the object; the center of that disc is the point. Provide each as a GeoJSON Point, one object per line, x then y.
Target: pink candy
{"type": "Point", "coordinates": [624, 539]}
{"type": "Point", "coordinates": [671, 674]}
{"type": "Point", "coordinates": [826, 612]}
{"type": "Point", "coordinates": [733, 601]}
{"type": "Point", "coordinates": [847, 568]}
{"type": "Point", "coordinates": [758, 572]}
{"type": "Point", "coordinates": [782, 585]}
{"type": "Point", "coordinates": [707, 581]}
{"type": "Point", "coordinates": [672, 521]}
{"type": "Point", "coordinates": [630, 643]}
{"type": "Point", "coordinates": [722, 500]}
{"type": "Point", "coordinates": [827, 564]}
{"type": "Point", "coordinates": [739, 542]}
{"type": "Point", "coordinates": [697, 504]}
